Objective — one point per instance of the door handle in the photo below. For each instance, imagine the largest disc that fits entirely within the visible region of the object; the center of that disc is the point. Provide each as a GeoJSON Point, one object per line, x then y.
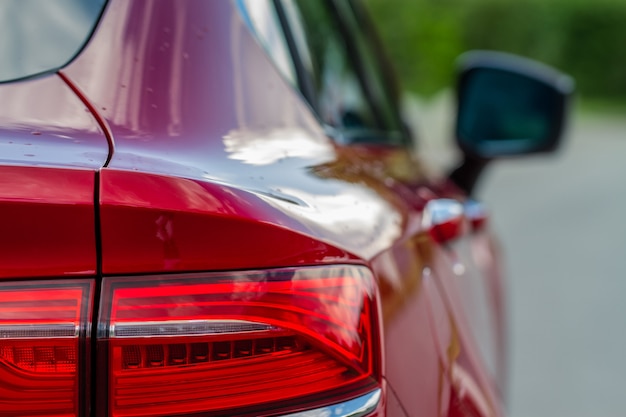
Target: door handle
{"type": "Point", "coordinates": [444, 219]}
{"type": "Point", "coordinates": [476, 213]}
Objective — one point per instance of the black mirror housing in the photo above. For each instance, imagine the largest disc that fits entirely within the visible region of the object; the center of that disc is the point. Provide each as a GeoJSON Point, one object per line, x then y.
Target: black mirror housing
{"type": "Point", "coordinates": [509, 105]}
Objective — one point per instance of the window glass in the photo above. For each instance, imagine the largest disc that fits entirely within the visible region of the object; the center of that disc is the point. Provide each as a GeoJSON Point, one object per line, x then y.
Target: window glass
{"type": "Point", "coordinates": [321, 48]}
{"type": "Point", "coordinates": [363, 40]}
{"type": "Point", "coordinates": [338, 94]}
{"type": "Point", "coordinates": [262, 20]}
{"type": "Point", "coordinates": [37, 36]}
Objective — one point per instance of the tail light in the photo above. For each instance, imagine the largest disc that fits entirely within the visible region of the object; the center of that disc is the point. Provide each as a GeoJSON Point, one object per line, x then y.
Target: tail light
{"type": "Point", "coordinates": [42, 329]}
{"type": "Point", "coordinates": [238, 341]}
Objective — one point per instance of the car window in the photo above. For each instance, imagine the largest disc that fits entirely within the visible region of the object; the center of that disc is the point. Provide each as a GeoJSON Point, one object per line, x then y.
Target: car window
{"type": "Point", "coordinates": [337, 96]}
{"type": "Point", "coordinates": [372, 63]}
{"type": "Point", "coordinates": [264, 23]}
{"type": "Point", "coordinates": [37, 36]}
{"type": "Point", "coordinates": [322, 49]}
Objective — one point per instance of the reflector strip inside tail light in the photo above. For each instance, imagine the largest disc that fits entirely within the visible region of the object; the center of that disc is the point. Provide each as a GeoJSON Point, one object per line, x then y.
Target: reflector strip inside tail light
{"type": "Point", "coordinates": [41, 326]}
{"type": "Point", "coordinates": [185, 328]}
{"type": "Point", "coordinates": [240, 341]}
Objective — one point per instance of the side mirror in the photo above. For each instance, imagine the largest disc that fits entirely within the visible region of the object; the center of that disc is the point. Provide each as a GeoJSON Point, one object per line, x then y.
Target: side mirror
{"type": "Point", "coordinates": [508, 105]}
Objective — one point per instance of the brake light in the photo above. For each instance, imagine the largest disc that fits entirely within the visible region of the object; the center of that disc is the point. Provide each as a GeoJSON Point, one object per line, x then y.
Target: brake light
{"type": "Point", "coordinates": [245, 340]}
{"type": "Point", "coordinates": [41, 327]}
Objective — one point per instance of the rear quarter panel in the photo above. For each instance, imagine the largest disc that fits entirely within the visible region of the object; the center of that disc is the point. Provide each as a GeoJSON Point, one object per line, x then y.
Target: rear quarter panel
{"type": "Point", "coordinates": [50, 149]}
{"type": "Point", "coordinates": [219, 164]}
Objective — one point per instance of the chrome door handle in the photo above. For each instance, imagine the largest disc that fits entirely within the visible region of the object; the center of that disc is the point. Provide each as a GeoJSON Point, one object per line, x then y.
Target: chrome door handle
{"type": "Point", "coordinates": [476, 213]}
{"type": "Point", "coordinates": [444, 219]}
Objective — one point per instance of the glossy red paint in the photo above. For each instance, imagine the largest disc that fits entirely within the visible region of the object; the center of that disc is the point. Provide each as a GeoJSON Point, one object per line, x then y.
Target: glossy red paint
{"type": "Point", "coordinates": [223, 137]}
{"type": "Point", "coordinates": [477, 365]}
{"type": "Point", "coordinates": [212, 161]}
{"type": "Point", "coordinates": [47, 222]}
{"type": "Point", "coordinates": [42, 123]}
{"type": "Point", "coordinates": [174, 224]}
{"type": "Point", "coordinates": [51, 147]}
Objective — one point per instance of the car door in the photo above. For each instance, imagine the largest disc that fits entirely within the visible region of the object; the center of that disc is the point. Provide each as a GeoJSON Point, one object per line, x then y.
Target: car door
{"type": "Point", "coordinates": [435, 363]}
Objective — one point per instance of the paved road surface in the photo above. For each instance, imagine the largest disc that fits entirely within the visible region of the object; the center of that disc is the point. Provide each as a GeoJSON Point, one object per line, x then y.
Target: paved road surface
{"type": "Point", "coordinates": [562, 222]}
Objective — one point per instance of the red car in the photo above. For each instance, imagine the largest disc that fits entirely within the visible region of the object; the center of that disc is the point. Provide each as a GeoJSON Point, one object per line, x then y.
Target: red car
{"type": "Point", "coordinates": [215, 208]}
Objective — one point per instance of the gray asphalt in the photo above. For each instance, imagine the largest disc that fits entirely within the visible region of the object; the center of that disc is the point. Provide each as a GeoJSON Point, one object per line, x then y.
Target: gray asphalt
{"type": "Point", "coordinates": [562, 223]}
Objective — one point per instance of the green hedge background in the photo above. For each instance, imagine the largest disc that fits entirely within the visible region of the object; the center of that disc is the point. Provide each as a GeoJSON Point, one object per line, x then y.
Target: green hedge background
{"type": "Point", "coordinates": [584, 38]}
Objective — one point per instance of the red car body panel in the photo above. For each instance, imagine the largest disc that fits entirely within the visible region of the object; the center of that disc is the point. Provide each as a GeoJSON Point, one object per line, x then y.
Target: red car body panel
{"type": "Point", "coordinates": [51, 148]}
{"type": "Point", "coordinates": [43, 123]}
{"type": "Point", "coordinates": [165, 224]}
{"type": "Point", "coordinates": [214, 162]}
{"type": "Point", "coordinates": [48, 222]}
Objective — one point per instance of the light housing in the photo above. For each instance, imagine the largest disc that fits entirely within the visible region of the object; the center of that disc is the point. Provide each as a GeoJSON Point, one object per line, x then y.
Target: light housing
{"type": "Point", "coordinates": [246, 341]}
{"type": "Point", "coordinates": [43, 326]}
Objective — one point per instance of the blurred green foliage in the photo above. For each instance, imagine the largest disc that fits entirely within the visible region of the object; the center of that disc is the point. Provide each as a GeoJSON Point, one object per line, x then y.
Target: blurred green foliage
{"type": "Point", "coordinates": [586, 39]}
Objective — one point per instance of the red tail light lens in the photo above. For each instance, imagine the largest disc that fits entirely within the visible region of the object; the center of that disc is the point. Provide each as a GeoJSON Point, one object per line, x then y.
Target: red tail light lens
{"type": "Point", "coordinates": [41, 326]}
{"type": "Point", "coordinates": [225, 341]}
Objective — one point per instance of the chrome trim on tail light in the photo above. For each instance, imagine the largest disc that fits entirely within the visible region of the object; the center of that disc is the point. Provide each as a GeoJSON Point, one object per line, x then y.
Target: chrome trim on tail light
{"type": "Point", "coordinates": [13, 331]}
{"type": "Point", "coordinates": [358, 407]}
{"type": "Point", "coordinates": [188, 327]}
